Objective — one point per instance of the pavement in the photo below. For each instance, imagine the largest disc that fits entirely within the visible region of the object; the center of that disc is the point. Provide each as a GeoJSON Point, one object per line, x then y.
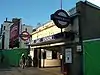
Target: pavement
{"type": "Point", "coordinates": [30, 71]}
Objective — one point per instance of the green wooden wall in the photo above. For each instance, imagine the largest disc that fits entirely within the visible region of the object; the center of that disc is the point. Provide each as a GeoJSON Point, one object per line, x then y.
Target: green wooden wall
{"type": "Point", "coordinates": [91, 60]}
{"type": "Point", "coordinates": [12, 57]}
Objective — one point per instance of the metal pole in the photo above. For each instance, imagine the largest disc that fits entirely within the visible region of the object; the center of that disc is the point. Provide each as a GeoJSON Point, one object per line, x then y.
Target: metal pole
{"type": "Point", "coordinates": [62, 52]}
{"type": "Point", "coordinates": [61, 3]}
{"type": "Point", "coordinates": [61, 30]}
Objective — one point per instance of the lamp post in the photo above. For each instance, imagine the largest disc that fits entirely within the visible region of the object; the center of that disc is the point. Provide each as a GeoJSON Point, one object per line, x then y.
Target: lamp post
{"type": "Point", "coordinates": [61, 3]}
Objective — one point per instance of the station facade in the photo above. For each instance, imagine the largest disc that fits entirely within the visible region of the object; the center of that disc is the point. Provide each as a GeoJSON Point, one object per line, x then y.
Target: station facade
{"type": "Point", "coordinates": [71, 48]}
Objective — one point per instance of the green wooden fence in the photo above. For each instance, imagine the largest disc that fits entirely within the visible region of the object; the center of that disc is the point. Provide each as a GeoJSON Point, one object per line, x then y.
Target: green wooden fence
{"type": "Point", "coordinates": [91, 57]}
{"type": "Point", "coordinates": [11, 57]}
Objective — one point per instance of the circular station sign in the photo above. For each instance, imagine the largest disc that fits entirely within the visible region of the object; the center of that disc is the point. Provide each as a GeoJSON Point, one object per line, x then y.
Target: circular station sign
{"type": "Point", "coordinates": [25, 35]}
{"type": "Point", "coordinates": [61, 18]}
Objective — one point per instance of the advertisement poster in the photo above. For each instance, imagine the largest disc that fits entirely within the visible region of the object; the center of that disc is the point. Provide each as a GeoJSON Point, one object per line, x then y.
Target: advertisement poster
{"type": "Point", "coordinates": [48, 54]}
{"type": "Point", "coordinates": [14, 34]}
{"type": "Point", "coordinates": [68, 55]}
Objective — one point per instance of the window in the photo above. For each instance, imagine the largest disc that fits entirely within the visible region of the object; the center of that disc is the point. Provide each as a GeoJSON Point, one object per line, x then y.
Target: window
{"type": "Point", "coordinates": [25, 29]}
{"type": "Point", "coordinates": [4, 27]}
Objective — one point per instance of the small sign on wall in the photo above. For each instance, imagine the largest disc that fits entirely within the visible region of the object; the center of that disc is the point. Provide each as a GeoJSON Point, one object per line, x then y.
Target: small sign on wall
{"type": "Point", "coordinates": [60, 56]}
{"type": "Point", "coordinates": [79, 48]}
{"type": "Point", "coordinates": [68, 55]}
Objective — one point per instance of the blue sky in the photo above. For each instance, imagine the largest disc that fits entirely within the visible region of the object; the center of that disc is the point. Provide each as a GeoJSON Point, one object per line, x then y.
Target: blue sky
{"type": "Point", "coordinates": [32, 11]}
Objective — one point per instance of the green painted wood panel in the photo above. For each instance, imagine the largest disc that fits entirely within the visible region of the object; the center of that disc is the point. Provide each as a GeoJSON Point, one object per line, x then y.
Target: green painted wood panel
{"type": "Point", "coordinates": [12, 57]}
{"type": "Point", "coordinates": [91, 54]}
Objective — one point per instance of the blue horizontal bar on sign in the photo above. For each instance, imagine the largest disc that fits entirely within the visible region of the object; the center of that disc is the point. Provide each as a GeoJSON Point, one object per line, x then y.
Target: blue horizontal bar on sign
{"type": "Point", "coordinates": [49, 38]}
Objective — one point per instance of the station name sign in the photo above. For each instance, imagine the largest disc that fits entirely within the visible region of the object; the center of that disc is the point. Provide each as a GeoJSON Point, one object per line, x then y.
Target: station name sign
{"type": "Point", "coordinates": [48, 38]}
{"type": "Point", "coordinates": [45, 39]}
{"type": "Point", "coordinates": [63, 35]}
{"type": "Point", "coordinates": [61, 18]}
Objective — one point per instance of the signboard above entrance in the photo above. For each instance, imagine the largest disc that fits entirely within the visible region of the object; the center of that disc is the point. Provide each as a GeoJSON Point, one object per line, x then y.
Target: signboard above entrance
{"type": "Point", "coordinates": [63, 35]}
{"type": "Point", "coordinates": [61, 18]}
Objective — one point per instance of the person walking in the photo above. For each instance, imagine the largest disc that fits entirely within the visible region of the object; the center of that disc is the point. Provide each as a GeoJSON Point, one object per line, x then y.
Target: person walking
{"type": "Point", "coordinates": [22, 61]}
{"type": "Point", "coordinates": [29, 61]}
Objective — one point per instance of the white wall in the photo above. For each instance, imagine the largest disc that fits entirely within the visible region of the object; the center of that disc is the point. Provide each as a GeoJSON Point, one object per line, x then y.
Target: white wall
{"type": "Point", "coordinates": [50, 63]}
{"type": "Point", "coordinates": [32, 55]}
{"type": "Point", "coordinates": [7, 34]}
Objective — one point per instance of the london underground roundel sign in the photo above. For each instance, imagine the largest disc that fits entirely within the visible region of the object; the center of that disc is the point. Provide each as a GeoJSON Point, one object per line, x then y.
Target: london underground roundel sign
{"type": "Point", "coordinates": [61, 18]}
{"type": "Point", "coordinates": [25, 35]}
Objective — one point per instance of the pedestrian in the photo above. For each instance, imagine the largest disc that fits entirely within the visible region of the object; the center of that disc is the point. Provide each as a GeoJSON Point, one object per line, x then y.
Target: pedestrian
{"type": "Point", "coordinates": [29, 61]}
{"type": "Point", "coordinates": [22, 61]}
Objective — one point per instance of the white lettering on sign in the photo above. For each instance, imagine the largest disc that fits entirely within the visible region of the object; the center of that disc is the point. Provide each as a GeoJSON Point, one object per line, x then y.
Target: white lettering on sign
{"type": "Point", "coordinates": [62, 22]}
{"type": "Point", "coordinates": [32, 42]}
{"type": "Point", "coordinates": [37, 41]}
{"type": "Point", "coordinates": [47, 39]}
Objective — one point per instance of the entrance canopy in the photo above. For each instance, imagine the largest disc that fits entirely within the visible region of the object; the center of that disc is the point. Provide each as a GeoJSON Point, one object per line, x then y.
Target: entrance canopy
{"type": "Point", "coordinates": [57, 39]}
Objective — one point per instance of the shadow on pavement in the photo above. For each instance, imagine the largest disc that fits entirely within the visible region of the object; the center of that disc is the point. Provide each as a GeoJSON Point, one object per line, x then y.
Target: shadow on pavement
{"type": "Point", "coordinates": [5, 67]}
